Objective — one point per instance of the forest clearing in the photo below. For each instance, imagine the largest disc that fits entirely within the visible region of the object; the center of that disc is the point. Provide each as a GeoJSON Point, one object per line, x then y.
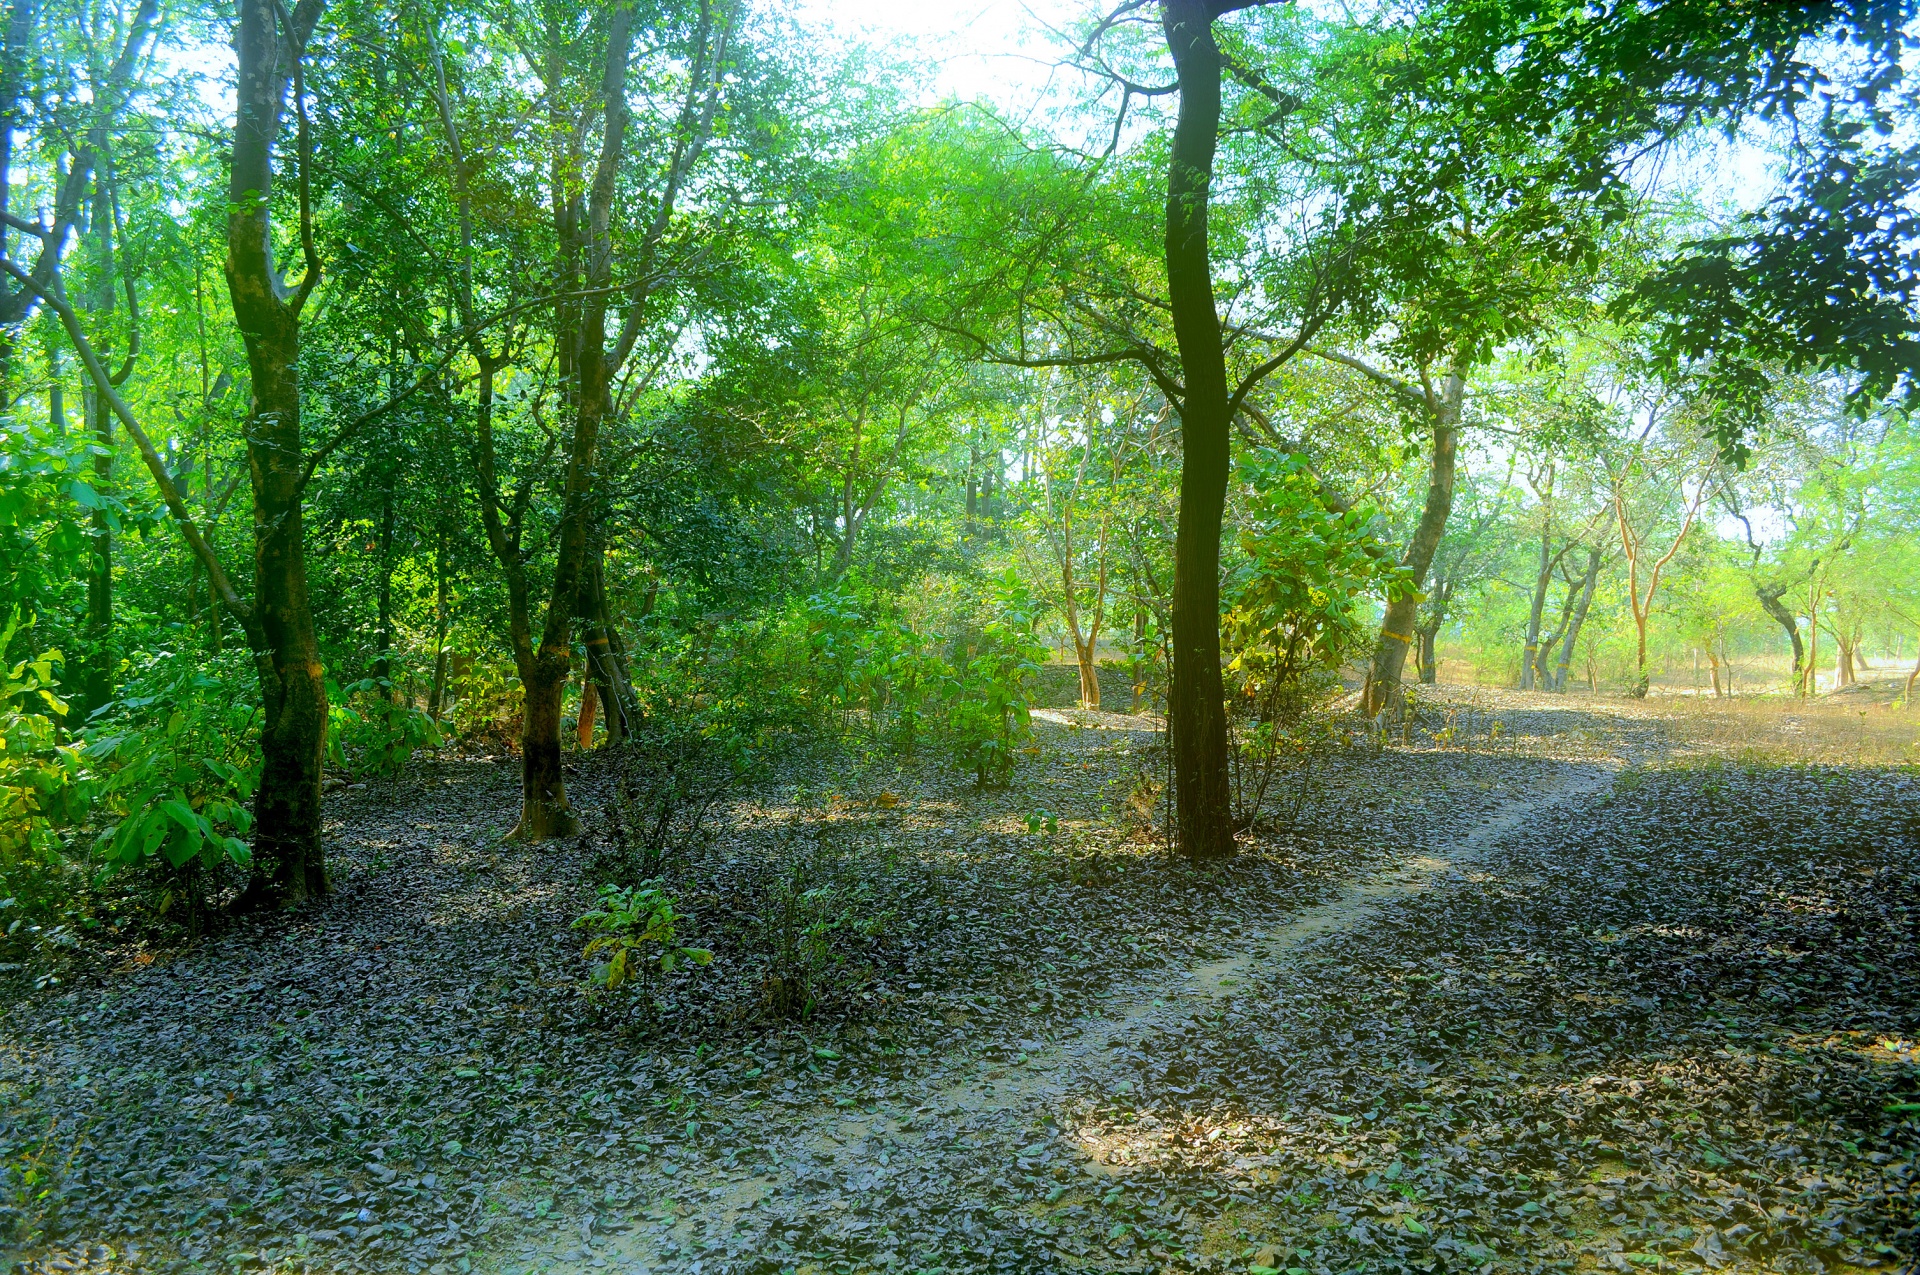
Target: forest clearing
{"type": "Point", "coordinates": [1582, 987]}
{"type": "Point", "coordinates": [798, 637]}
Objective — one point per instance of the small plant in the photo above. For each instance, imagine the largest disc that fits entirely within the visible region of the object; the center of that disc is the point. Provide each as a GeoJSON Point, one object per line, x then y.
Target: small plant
{"type": "Point", "coordinates": [375, 731]}
{"type": "Point", "coordinates": [635, 934]}
{"type": "Point", "coordinates": [807, 906]}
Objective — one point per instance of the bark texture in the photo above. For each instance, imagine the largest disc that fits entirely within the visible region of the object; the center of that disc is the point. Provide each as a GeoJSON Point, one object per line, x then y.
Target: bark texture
{"type": "Point", "coordinates": [1769, 598]}
{"type": "Point", "coordinates": [1396, 628]}
{"type": "Point", "coordinates": [289, 866]}
{"type": "Point", "coordinates": [1196, 708]}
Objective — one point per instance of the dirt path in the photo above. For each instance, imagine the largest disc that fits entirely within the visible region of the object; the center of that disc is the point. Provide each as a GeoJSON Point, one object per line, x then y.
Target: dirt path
{"type": "Point", "coordinates": [1024, 1098]}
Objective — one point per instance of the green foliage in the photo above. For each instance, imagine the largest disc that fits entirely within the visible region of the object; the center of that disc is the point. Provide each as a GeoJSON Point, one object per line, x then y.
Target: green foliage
{"type": "Point", "coordinates": [375, 731]}
{"type": "Point", "coordinates": [42, 786]}
{"type": "Point", "coordinates": [810, 905]}
{"type": "Point", "coordinates": [871, 667]}
{"type": "Point", "coordinates": [988, 715]}
{"type": "Point", "coordinates": [1306, 603]}
{"type": "Point", "coordinates": [486, 703]}
{"type": "Point", "coordinates": [1313, 575]}
{"type": "Point", "coordinates": [42, 502]}
{"type": "Point", "coordinates": [635, 933]}
{"type": "Point", "coordinates": [175, 762]}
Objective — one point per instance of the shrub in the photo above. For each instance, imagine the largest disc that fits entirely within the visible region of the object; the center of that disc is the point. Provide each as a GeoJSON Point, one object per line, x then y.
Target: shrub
{"type": "Point", "coordinates": [43, 790]}
{"type": "Point", "coordinates": [175, 761]}
{"type": "Point", "coordinates": [373, 730]}
{"type": "Point", "coordinates": [636, 934]}
{"type": "Point", "coordinates": [988, 715]}
{"type": "Point", "coordinates": [809, 909]}
{"type": "Point", "coordinates": [1301, 608]}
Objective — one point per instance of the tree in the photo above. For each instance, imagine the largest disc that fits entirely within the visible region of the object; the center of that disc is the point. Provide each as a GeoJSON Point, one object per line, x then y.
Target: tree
{"type": "Point", "coordinates": [289, 862]}
{"type": "Point", "coordinates": [1656, 496]}
{"type": "Point", "coordinates": [610, 207]}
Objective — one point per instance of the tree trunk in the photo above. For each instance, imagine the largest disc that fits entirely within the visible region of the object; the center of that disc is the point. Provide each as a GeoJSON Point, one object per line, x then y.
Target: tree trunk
{"type": "Point", "coordinates": [1907, 694]}
{"type": "Point", "coordinates": [1139, 659]}
{"type": "Point", "coordinates": [1644, 681]}
{"type": "Point", "coordinates": [97, 684]}
{"type": "Point", "coordinates": [383, 637]}
{"type": "Point", "coordinates": [1543, 658]}
{"type": "Point", "coordinates": [544, 810]}
{"type": "Point", "coordinates": [1089, 673]}
{"type": "Point", "coordinates": [1843, 659]}
{"type": "Point", "coordinates": [288, 862]}
{"type": "Point", "coordinates": [583, 729]}
{"type": "Point", "coordinates": [1396, 628]}
{"type": "Point", "coordinates": [1429, 666]}
{"type": "Point", "coordinates": [436, 698]}
{"type": "Point", "coordinates": [606, 653]}
{"type": "Point", "coordinates": [1196, 709]}
{"type": "Point", "coordinates": [1542, 581]}
{"type": "Point", "coordinates": [1579, 619]}
{"type": "Point", "coordinates": [1713, 664]}
{"type": "Point", "coordinates": [1769, 598]}
{"type": "Point", "coordinates": [1810, 675]}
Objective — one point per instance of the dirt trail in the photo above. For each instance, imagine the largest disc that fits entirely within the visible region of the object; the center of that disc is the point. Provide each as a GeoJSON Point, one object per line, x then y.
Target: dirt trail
{"type": "Point", "coordinates": [1011, 1098]}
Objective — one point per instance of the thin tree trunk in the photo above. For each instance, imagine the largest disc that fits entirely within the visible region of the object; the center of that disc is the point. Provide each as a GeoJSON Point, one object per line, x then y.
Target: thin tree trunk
{"type": "Point", "coordinates": [1811, 674]}
{"type": "Point", "coordinates": [1423, 655]}
{"type": "Point", "coordinates": [383, 636]}
{"type": "Point", "coordinates": [1543, 658]}
{"type": "Point", "coordinates": [1542, 580]}
{"type": "Point", "coordinates": [1139, 659]}
{"type": "Point", "coordinates": [1579, 620]}
{"type": "Point", "coordinates": [1196, 709]}
{"type": "Point", "coordinates": [1769, 598]}
{"type": "Point", "coordinates": [583, 729]}
{"type": "Point", "coordinates": [606, 654]}
{"type": "Point", "coordinates": [1396, 628]}
{"type": "Point", "coordinates": [1089, 673]}
{"type": "Point", "coordinates": [436, 698]}
{"type": "Point", "coordinates": [98, 682]}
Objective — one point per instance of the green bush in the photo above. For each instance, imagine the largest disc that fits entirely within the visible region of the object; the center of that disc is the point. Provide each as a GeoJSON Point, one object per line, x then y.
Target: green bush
{"type": "Point", "coordinates": [43, 791]}
{"type": "Point", "coordinates": [989, 718]}
{"type": "Point", "coordinates": [373, 730]}
{"type": "Point", "coordinates": [175, 761]}
{"type": "Point", "coordinates": [1304, 604]}
{"type": "Point", "coordinates": [635, 934]}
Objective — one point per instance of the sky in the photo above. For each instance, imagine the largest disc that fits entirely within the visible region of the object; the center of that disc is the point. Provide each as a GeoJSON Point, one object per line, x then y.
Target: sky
{"type": "Point", "coordinates": [993, 49]}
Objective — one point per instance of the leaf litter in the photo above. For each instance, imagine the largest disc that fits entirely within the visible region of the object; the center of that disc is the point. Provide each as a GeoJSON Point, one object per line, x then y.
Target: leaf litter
{"type": "Point", "coordinates": [1496, 1005]}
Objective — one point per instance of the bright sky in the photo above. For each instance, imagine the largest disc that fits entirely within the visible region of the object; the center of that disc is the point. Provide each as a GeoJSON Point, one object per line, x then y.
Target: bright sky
{"type": "Point", "coordinates": [996, 49]}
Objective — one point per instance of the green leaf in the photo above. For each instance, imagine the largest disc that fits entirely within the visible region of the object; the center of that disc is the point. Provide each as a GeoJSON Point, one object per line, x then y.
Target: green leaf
{"type": "Point", "coordinates": [180, 850]}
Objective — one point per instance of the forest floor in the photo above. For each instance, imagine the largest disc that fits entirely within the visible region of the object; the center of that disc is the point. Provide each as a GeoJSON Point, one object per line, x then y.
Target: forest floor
{"type": "Point", "coordinates": [1554, 985]}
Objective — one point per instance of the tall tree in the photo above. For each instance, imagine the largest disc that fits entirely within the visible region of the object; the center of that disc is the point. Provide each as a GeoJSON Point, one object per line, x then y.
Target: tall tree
{"type": "Point", "coordinates": [270, 43]}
